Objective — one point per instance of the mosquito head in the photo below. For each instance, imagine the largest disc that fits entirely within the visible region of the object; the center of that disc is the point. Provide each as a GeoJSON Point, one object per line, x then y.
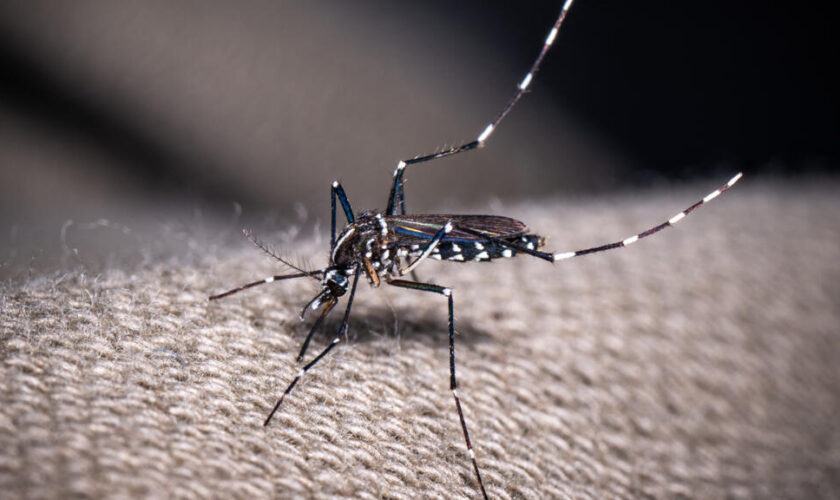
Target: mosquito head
{"type": "Point", "coordinates": [335, 282]}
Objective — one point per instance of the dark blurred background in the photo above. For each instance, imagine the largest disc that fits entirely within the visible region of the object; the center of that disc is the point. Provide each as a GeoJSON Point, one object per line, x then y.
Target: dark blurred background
{"type": "Point", "coordinates": [140, 112]}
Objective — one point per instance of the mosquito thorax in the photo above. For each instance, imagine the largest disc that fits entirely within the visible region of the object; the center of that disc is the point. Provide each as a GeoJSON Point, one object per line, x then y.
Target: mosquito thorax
{"type": "Point", "coordinates": [368, 236]}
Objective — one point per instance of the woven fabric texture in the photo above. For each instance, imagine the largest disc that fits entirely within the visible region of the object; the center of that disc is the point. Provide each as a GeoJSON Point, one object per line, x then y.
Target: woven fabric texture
{"type": "Point", "coordinates": [701, 362]}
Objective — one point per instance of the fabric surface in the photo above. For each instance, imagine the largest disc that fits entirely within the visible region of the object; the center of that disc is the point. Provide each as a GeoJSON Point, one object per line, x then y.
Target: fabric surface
{"type": "Point", "coordinates": [701, 362]}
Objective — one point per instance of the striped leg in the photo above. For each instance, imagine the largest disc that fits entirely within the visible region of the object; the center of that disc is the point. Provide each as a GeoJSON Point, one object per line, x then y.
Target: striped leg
{"type": "Point", "coordinates": [670, 222]}
{"type": "Point", "coordinates": [429, 249]}
{"type": "Point", "coordinates": [336, 340]}
{"type": "Point", "coordinates": [447, 292]}
{"type": "Point", "coordinates": [330, 304]}
{"type": "Point", "coordinates": [397, 195]}
{"type": "Point", "coordinates": [270, 279]}
{"type": "Point", "coordinates": [618, 244]}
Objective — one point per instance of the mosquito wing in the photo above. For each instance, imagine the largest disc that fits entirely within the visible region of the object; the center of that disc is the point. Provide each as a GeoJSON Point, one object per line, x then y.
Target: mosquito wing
{"type": "Point", "coordinates": [420, 228]}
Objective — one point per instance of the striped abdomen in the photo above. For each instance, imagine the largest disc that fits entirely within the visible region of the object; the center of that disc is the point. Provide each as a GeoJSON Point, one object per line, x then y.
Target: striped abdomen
{"type": "Point", "coordinates": [476, 250]}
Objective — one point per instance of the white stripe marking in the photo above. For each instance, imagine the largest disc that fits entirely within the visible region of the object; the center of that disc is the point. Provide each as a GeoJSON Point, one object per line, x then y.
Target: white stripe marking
{"type": "Point", "coordinates": [472, 454]}
{"type": "Point", "coordinates": [526, 81]}
{"type": "Point", "coordinates": [482, 255]}
{"type": "Point", "coordinates": [479, 246]}
{"type": "Point", "coordinates": [484, 135]}
{"type": "Point", "coordinates": [300, 373]}
{"type": "Point", "coordinates": [630, 240]}
{"type": "Point", "coordinates": [447, 291]}
{"type": "Point", "coordinates": [456, 248]}
{"type": "Point", "coordinates": [341, 241]}
{"type": "Point", "coordinates": [567, 5]}
{"type": "Point", "coordinates": [551, 36]}
{"type": "Point", "coordinates": [382, 224]}
{"type": "Point", "coordinates": [676, 218]}
{"type": "Point", "coordinates": [269, 279]}
{"type": "Point", "coordinates": [711, 196]}
{"type": "Point", "coordinates": [457, 257]}
{"type": "Point", "coordinates": [734, 179]}
{"type": "Point", "coordinates": [564, 255]}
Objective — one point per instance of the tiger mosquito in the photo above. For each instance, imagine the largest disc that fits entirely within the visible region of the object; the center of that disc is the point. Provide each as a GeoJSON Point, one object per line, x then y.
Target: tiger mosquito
{"type": "Point", "coordinates": [386, 246]}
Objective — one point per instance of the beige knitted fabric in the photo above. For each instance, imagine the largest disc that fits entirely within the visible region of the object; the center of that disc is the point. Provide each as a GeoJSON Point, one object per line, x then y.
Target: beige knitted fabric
{"type": "Point", "coordinates": [702, 362]}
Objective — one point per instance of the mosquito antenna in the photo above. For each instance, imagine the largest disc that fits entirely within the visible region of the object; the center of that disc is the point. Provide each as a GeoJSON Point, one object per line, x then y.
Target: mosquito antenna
{"type": "Point", "coordinates": [265, 248]}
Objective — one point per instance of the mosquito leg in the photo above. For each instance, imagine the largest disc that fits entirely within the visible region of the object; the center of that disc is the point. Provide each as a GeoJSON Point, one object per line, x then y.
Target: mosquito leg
{"type": "Point", "coordinates": [336, 340]}
{"type": "Point", "coordinates": [429, 248]}
{"type": "Point", "coordinates": [270, 279]}
{"type": "Point", "coordinates": [447, 292]}
{"type": "Point", "coordinates": [405, 261]}
{"type": "Point", "coordinates": [397, 197]}
{"type": "Point", "coordinates": [554, 257]}
{"type": "Point", "coordinates": [413, 273]}
{"type": "Point", "coordinates": [318, 321]}
{"type": "Point", "coordinates": [655, 229]}
{"type": "Point", "coordinates": [338, 191]}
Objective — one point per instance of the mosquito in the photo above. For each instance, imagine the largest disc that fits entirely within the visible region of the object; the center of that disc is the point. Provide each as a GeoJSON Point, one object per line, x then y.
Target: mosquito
{"type": "Point", "coordinates": [385, 246]}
